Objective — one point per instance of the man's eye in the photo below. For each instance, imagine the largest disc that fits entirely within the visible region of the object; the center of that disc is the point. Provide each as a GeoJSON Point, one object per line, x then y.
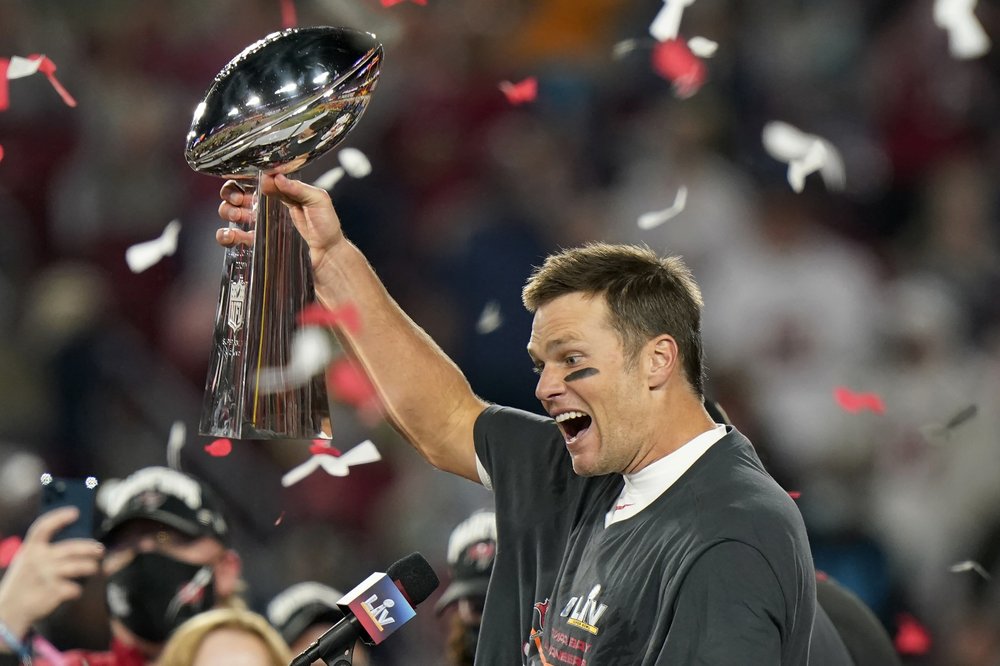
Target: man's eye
{"type": "Point", "coordinates": [572, 360]}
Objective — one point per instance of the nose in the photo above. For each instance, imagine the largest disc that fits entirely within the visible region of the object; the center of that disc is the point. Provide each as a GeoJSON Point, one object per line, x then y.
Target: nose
{"type": "Point", "coordinates": [550, 385]}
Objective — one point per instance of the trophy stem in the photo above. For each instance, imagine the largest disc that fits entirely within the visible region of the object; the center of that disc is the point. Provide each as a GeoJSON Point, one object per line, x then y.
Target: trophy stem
{"type": "Point", "coordinates": [264, 287]}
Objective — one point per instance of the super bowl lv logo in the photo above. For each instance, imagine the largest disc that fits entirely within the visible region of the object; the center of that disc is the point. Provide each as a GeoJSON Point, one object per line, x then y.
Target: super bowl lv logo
{"type": "Point", "coordinates": [237, 304]}
{"type": "Point", "coordinates": [585, 612]}
{"type": "Point", "coordinates": [379, 613]}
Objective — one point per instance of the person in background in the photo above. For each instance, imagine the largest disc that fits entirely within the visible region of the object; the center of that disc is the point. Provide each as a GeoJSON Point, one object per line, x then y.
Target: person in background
{"type": "Point", "coordinates": [225, 637]}
{"type": "Point", "coordinates": [166, 557]}
{"type": "Point", "coordinates": [305, 611]}
{"type": "Point", "coordinates": [472, 548]}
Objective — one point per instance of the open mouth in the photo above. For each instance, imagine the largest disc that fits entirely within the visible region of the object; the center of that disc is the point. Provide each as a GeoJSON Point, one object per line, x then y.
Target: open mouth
{"type": "Point", "coordinates": [573, 424]}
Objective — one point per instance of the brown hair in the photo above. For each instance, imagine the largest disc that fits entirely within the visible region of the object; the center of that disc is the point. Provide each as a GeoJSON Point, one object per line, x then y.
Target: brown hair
{"type": "Point", "coordinates": [646, 296]}
{"type": "Point", "coordinates": [183, 645]}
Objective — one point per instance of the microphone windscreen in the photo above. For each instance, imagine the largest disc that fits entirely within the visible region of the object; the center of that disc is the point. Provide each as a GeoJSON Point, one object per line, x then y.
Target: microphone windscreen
{"type": "Point", "coordinates": [416, 577]}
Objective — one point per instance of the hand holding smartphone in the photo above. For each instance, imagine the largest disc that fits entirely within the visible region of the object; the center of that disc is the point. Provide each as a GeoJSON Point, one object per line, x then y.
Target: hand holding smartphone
{"type": "Point", "coordinates": [58, 492]}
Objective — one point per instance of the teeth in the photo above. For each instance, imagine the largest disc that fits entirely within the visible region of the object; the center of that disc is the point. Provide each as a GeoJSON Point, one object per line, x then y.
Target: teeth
{"type": "Point", "coordinates": [569, 415]}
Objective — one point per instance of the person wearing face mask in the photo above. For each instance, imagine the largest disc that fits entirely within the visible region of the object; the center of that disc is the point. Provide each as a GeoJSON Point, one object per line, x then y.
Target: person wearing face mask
{"type": "Point", "coordinates": [472, 548]}
{"type": "Point", "coordinates": [166, 558]}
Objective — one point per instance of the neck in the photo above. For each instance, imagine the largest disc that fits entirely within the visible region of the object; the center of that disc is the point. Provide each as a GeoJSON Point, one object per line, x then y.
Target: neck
{"type": "Point", "coordinates": [677, 419]}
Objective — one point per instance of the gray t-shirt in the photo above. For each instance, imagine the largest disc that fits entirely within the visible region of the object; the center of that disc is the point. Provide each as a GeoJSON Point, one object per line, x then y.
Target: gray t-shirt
{"type": "Point", "coordinates": [717, 570]}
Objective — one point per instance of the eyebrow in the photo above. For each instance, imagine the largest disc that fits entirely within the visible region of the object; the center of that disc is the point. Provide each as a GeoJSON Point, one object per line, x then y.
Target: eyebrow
{"type": "Point", "coordinates": [555, 344]}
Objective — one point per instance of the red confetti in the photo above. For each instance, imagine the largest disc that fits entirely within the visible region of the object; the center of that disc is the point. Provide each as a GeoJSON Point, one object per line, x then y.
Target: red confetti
{"type": "Point", "coordinates": [4, 94]}
{"type": "Point", "coordinates": [1, 153]}
{"type": "Point", "coordinates": [674, 61]}
{"type": "Point", "coordinates": [794, 494]}
{"type": "Point", "coordinates": [288, 17]}
{"type": "Point", "coordinates": [317, 315]}
{"type": "Point", "coordinates": [220, 448]}
{"type": "Point", "coordinates": [911, 636]}
{"type": "Point", "coordinates": [853, 402]}
{"type": "Point", "coordinates": [279, 519]}
{"type": "Point", "coordinates": [520, 93]}
{"type": "Point", "coordinates": [48, 68]}
{"type": "Point", "coordinates": [321, 447]}
{"type": "Point", "coordinates": [8, 549]}
{"type": "Point", "coordinates": [350, 385]}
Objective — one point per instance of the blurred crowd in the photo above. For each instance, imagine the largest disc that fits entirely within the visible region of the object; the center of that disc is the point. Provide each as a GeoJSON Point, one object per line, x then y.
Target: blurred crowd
{"type": "Point", "coordinates": [888, 287]}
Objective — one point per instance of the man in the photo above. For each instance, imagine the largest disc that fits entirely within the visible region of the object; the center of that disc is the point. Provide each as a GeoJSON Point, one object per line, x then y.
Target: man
{"type": "Point", "coordinates": [472, 548]}
{"type": "Point", "coordinates": [305, 611]}
{"type": "Point", "coordinates": [165, 557]}
{"type": "Point", "coordinates": [632, 529]}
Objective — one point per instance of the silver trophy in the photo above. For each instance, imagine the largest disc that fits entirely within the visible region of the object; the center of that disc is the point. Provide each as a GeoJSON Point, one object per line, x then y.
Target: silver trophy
{"type": "Point", "coordinates": [282, 102]}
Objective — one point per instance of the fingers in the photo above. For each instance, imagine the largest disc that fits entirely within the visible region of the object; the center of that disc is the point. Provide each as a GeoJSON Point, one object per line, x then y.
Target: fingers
{"type": "Point", "coordinates": [46, 525]}
{"type": "Point", "coordinates": [229, 237]}
{"type": "Point", "coordinates": [75, 567]}
{"type": "Point", "coordinates": [295, 191]}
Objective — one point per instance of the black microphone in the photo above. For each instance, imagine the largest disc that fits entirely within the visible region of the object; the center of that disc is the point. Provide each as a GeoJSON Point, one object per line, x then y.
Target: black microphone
{"type": "Point", "coordinates": [375, 608]}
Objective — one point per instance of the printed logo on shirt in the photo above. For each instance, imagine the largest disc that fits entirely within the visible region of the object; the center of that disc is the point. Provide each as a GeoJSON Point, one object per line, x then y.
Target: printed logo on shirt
{"type": "Point", "coordinates": [585, 612]}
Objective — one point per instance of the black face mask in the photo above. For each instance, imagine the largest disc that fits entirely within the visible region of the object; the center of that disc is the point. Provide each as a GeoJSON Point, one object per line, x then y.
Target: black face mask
{"type": "Point", "coordinates": [154, 594]}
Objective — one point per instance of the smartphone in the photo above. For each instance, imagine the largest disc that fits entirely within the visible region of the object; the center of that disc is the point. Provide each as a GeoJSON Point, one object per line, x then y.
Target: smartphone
{"type": "Point", "coordinates": [58, 492]}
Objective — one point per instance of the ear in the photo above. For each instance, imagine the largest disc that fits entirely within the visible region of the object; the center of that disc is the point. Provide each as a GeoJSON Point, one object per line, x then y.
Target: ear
{"type": "Point", "coordinates": [227, 574]}
{"type": "Point", "coordinates": [661, 357]}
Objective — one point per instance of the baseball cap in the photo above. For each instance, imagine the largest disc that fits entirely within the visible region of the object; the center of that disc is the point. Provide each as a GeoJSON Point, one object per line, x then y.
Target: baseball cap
{"type": "Point", "coordinates": [302, 605]}
{"type": "Point", "coordinates": [472, 548]}
{"type": "Point", "coordinates": [165, 496]}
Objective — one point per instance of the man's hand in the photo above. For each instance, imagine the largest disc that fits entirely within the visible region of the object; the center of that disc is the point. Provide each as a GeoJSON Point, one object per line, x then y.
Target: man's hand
{"type": "Point", "coordinates": [310, 207]}
{"type": "Point", "coordinates": [41, 575]}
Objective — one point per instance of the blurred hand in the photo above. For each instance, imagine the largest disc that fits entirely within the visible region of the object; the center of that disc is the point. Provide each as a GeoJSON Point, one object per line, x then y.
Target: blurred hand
{"type": "Point", "coordinates": [41, 574]}
{"type": "Point", "coordinates": [311, 210]}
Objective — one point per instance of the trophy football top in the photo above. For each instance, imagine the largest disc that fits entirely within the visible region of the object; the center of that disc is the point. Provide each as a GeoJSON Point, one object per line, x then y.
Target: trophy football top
{"type": "Point", "coordinates": [283, 101]}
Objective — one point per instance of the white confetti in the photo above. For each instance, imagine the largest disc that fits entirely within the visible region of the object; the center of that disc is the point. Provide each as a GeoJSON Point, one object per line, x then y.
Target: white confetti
{"type": "Point", "coordinates": [175, 442]}
{"type": "Point", "coordinates": [19, 67]}
{"type": "Point", "coordinates": [354, 162]}
{"type": "Point", "coordinates": [805, 154]}
{"type": "Point", "coordinates": [489, 319]}
{"type": "Point", "coordinates": [363, 453]}
{"type": "Point", "coordinates": [46, 479]}
{"type": "Point", "coordinates": [966, 37]}
{"type": "Point", "coordinates": [656, 218]}
{"type": "Point", "coordinates": [144, 255]}
{"type": "Point", "coordinates": [330, 178]}
{"type": "Point", "coordinates": [703, 47]}
{"type": "Point", "coordinates": [969, 565]}
{"type": "Point", "coordinates": [90, 482]}
{"type": "Point", "coordinates": [309, 354]}
{"type": "Point", "coordinates": [623, 48]}
{"type": "Point", "coordinates": [667, 23]}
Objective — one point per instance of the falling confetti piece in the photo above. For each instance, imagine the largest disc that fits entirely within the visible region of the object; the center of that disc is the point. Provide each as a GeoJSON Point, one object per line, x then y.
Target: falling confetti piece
{"type": "Point", "coordinates": [17, 67]}
{"type": "Point", "coordinates": [651, 220]}
{"type": "Point", "coordinates": [624, 47]}
{"type": "Point", "coordinates": [667, 22]}
{"type": "Point", "coordinates": [311, 350]}
{"type": "Point", "coordinates": [805, 154]}
{"type": "Point", "coordinates": [288, 17]}
{"type": "Point", "coordinates": [350, 385]}
{"type": "Point", "coordinates": [489, 319]}
{"type": "Point", "coordinates": [329, 178]}
{"type": "Point", "coordinates": [144, 255]}
{"type": "Point", "coordinates": [911, 637]}
{"type": "Point", "coordinates": [794, 494]}
{"type": "Point", "coordinates": [90, 482]}
{"type": "Point", "coordinates": [966, 37]}
{"type": "Point", "coordinates": [703, 47]}
{"type": "Point", "coordinates": [853, 402]}
{"type": "Point", "coordinates": [322, 447]}
{"type": "Point", "coordinates": [175, 442]}
{"type": "Point", "coordinates": [520, 93]}
{"type": "Point", "coordinates": [1, 153]}
{"type": "Point", "coordinates": [355, 162]}
{"type": "Point", "coordinates": [674, 61]}
{"type": "Point", "coordinates": [363, 453]}
{"type": "Point", "coordinates": [8, 549]}
{"type": "Point", "coordinates": [220, 448]}
{"type": "Point", "coordinates": [969, 565]}
{"type": "Point", "coordinates": [279, 519]}
{"type": "Point", "coordinates": [346, 317]}
{"type": "Point", "coordinates": [962, 416]}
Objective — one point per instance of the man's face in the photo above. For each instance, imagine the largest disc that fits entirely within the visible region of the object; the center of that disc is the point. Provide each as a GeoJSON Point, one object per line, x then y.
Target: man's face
{"type": "Point", "coordinates": [147, 536]}
{"type": "Point", "coordinates": [585, 385]}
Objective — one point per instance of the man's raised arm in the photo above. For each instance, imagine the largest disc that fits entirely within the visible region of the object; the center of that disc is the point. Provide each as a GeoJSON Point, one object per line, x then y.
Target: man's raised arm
{"type": "Point", "coordinates": [426, 396]}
